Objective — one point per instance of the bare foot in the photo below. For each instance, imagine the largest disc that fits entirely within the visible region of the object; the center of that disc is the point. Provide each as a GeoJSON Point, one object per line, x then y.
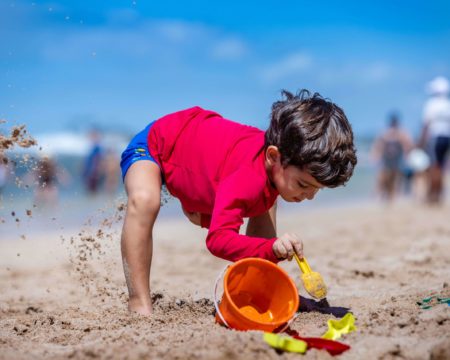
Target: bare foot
{"type": "Point", "coordinates": [142, 308]}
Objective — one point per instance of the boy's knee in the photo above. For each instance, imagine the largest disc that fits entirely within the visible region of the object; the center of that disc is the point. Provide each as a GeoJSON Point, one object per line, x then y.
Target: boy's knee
{"type": "Point", "coordinates": [144, 202]}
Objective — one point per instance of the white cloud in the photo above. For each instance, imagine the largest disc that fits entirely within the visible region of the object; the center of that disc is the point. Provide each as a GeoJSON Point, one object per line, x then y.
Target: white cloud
{"type": "Point", "coordinates": [141, 40]}
{"type": "Point", "coordinates": [376, 72]}
{"type": "Point", "coordinates": [293, 64]}
{"type": "Point", "coordinates": [229, 49]}
{"type": "Point", "coordinates": [364, 74]}
{"type": "Point", "coordinates": [179, 31]}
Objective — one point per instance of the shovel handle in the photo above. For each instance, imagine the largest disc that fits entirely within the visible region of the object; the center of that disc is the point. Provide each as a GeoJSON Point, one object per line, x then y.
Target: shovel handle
{"type": "Point", "coordinates": [303, 264]}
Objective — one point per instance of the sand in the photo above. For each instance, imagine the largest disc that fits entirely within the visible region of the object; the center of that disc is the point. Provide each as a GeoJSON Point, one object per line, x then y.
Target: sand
{"type": "Point", "coordinates": [63, 293]}
{"type": "Point", "coordinates": [18, 138]}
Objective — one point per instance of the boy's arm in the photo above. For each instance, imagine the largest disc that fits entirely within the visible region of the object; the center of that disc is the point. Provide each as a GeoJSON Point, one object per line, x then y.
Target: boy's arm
{"type": "Point", "coordinates": [264, 225]}
{"type": "Point", "coordinates": [234, 197]}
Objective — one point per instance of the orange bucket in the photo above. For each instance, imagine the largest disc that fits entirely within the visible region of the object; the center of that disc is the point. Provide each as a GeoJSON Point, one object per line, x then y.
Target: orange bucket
{"type": "Point", "coordinates": [257, 295]}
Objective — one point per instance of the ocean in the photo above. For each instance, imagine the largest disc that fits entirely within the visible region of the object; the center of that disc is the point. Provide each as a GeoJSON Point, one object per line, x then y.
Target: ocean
{"type": "Point", "coordinates": [21, 213]}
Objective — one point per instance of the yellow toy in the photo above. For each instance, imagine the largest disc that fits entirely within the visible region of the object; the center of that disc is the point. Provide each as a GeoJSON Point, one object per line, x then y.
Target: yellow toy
{"type": "Point", "coordinates": [336, 328]}
{"type": "Point", "coordinates": [285, 343]}
{"type": "Point", "coordinates": [312, 281]}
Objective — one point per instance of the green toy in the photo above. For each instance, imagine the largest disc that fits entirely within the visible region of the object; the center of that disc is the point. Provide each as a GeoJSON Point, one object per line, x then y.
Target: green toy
{"type": "Point", "coordinates": [433, 300]}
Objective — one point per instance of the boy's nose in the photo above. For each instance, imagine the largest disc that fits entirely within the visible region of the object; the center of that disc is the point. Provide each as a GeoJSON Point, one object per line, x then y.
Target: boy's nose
{"type": "Point", "coordinates": [311, 194]}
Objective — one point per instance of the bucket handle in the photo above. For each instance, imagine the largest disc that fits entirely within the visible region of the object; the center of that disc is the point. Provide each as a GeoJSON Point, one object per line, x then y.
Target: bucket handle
{"type": "Point", "coordinates": [216, 302]}
{"type": "Point", "coordinates": [288, 323]}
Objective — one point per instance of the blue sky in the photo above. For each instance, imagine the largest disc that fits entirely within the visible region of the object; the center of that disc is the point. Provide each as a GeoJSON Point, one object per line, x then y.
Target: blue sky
{"type": "Point", "coordinates": [66, 64]}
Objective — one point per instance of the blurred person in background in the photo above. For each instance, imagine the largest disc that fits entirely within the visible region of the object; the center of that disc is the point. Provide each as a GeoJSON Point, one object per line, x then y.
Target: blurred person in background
{"type": "Point", "coordinates": [435, 136]}
{"type": "Point", "coordinates": [93, 167]}
{"type": "Point", "coordinates": [111, 170]}
{"type": "Point", "coordinates": [390, 150]}
{"type": "Point", "coordinates": [46, 181]}
{"type": "Point", "coordinates": [46, 176]}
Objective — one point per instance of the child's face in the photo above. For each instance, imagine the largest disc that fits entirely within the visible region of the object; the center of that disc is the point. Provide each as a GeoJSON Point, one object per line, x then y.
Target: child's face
{"type": "Point", "coordinates": [293, 183]}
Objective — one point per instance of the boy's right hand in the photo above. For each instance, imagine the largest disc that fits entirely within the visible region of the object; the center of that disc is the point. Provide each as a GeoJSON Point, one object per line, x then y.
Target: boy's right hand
{"type": "Point", "coordinates": [285, 246]}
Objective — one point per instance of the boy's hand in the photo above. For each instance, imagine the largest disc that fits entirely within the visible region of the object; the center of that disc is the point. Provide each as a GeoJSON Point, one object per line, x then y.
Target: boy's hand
{"type": "Point", "coordinates": [285, 246]}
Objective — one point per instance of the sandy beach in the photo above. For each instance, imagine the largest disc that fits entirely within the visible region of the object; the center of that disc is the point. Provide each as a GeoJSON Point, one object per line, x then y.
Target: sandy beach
{"type": "Point", "coordinates": [63, 294]}
{"type": "Point", "coordinates": [237, 103]}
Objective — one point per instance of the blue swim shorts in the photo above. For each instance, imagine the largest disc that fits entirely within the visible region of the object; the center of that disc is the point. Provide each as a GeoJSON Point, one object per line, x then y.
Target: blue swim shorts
{"type": "Point", "coordinates": [136, 150]}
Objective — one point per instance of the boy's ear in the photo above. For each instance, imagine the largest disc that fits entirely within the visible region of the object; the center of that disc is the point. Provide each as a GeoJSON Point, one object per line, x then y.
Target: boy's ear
{"type": "Point", "coordinates": [273, 155]}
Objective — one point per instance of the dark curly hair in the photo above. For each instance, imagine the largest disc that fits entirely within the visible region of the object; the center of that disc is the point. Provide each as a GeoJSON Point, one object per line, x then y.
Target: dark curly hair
{"type": "Point", "coordinates": [314, 134]}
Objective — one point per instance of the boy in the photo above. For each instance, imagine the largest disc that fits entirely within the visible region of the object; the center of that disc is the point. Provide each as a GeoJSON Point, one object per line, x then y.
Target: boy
{"type": "Point", "coordinates": [223, 172]}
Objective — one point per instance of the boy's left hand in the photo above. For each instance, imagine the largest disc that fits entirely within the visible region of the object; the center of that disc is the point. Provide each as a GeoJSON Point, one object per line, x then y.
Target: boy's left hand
{"type": "Point", "coordinates": [285, 246]}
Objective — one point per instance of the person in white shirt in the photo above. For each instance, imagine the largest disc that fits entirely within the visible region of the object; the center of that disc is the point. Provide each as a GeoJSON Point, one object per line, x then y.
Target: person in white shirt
{"type": "Point", "coordinates": [435, 137]}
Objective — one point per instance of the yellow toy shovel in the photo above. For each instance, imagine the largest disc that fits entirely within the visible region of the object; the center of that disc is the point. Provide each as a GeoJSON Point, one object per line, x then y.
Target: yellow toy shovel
{"type": "Point", "coordinates": [312, 281]}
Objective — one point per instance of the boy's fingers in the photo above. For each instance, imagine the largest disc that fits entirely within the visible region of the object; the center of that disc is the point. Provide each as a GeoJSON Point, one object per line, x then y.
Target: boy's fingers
{"type": "Point", "coordinates": [275, 250]}
{"type": "Point", "coordinates": [289, 249]}
{"type": "Point", "coordinates": [298, 246]}
{"type": "Point", "coordinates": [281, 251]}
{"type": "Point", "coordinates": [287, 245]}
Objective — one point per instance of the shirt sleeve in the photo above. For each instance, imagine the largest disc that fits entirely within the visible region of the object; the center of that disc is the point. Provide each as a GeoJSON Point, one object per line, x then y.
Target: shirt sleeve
{"type": "Point", "coordinates": [235, 195]}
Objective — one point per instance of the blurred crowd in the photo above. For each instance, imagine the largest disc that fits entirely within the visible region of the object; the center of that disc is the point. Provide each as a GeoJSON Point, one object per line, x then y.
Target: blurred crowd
{"type": "Point", "coordinates": [416, 168]}
{"type": "Point", "coordinates": [99, 173]}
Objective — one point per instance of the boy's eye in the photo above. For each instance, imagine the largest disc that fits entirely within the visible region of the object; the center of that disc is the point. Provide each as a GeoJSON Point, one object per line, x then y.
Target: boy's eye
{"type": "Point", "coordinates": [303, 186]}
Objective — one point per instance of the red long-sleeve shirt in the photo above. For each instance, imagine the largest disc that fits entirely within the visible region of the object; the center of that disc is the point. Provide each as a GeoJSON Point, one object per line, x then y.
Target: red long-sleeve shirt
{"type": "Point", "coordinates": [216, 167]}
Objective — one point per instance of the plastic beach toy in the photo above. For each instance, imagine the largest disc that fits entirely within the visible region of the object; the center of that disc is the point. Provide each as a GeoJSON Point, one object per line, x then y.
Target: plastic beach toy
{"type": "Point", "coordinates": [312, 281]}
{"type": "Point", "coordinates": [257, 295]}
{"type": "Point", "coordinates": [285, 343]}
{"type": "Point", "coordinates": [433, 300]}
{"type": "Point", "coordinates": [337, 328]}
{"type": "Point", "coordinates": [333, 347]}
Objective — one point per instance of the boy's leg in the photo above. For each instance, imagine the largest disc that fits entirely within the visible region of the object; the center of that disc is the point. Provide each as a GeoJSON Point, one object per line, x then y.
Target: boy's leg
{"type": "Point", "coordinates": [143, 186]}
{"type": "Point", "coordinates": [264, 225]}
